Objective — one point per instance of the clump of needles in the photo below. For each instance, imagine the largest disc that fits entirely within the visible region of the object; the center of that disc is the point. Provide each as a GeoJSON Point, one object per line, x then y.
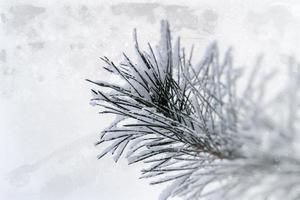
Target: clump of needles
{"type": "Point", "coordinates": [194, 126]}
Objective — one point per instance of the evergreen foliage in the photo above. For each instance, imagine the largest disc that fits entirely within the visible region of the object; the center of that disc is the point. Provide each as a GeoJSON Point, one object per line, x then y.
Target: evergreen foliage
{"type": "Point", "coordinates": [191, 127]}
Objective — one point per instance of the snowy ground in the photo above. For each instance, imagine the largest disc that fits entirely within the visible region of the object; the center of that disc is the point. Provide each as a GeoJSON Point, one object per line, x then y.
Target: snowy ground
{"type": "Point", "coordinates": [48, 48]}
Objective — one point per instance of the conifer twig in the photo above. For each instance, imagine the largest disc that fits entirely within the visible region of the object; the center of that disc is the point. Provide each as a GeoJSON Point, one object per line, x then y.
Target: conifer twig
{"type": "Point", "coordinates": [191, 128]}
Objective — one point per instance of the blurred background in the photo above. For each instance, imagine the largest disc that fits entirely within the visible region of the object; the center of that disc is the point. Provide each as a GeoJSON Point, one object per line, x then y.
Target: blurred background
{"type": "Point", "coordinates": [48, 49]}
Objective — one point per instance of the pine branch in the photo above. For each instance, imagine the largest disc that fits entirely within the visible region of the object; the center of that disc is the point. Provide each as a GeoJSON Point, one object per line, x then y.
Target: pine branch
{"type": "Point", "coordinates": [191, 126]}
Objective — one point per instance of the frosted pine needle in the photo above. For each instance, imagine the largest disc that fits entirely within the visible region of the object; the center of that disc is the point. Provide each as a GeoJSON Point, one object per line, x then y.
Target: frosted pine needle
{"type": "Point", "coordinates": [191, 127]}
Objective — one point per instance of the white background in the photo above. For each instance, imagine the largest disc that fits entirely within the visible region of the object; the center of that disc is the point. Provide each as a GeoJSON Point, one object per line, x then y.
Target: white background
{"type": "Point", "coordinates": [47, 49]}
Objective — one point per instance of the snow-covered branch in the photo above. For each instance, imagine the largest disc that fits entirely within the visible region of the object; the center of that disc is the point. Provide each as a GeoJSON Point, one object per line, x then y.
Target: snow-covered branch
{"type": "Point", "coordinates": [191, 126]}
